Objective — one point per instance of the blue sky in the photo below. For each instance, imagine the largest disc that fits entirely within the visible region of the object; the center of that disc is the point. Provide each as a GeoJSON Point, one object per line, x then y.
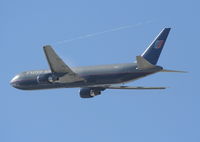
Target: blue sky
{"type": "Point", "coordinates": [117, 115]}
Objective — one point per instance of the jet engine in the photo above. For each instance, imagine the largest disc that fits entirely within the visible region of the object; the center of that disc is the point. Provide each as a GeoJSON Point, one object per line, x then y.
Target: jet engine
{"type": "Point", "coordinates": [90, 92]}
{"type": "Point", "coordinates": [47, 78]}
{"type": "Point", "coordinates": [52, 78]}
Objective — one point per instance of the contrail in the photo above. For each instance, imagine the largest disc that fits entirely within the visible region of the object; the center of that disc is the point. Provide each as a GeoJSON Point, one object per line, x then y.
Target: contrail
{"type": "Point", "coordinates": [102, 32]}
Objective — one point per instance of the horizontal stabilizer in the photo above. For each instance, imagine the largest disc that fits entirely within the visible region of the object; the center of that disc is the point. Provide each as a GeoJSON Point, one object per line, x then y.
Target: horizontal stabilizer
{"type": "Point", "coordinates": [142, 63]}
{"type": "Point", "coordinates": [165, 70]}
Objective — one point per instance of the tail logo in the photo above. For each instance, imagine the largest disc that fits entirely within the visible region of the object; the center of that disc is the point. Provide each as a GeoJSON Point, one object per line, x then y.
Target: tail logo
{"type": "Point", "coordinates": [158, 44]}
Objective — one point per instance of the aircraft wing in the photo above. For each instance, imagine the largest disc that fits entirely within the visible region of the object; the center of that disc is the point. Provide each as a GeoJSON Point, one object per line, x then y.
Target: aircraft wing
{"type": "Point", "coordinates": [57, 65]}
{"type": "Point", "coordinates": [126, 87]}
{"type": "Point", "coordinates": [165, 70]}
{"type": "Point", "coordinates": [134, 87]}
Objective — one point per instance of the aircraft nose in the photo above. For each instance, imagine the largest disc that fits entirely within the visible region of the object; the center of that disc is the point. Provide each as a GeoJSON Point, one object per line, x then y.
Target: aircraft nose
{"type": "Point", "coordinates": [15, 81]}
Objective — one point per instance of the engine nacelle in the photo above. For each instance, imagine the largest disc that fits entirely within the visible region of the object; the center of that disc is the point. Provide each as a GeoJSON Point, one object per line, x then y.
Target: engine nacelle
{"type": "Point", "coordinates": [53, 78]}
{"type": "Point", "coordinates": [50, 78]}
{"type": "Point", "coordinates": [90, 92]}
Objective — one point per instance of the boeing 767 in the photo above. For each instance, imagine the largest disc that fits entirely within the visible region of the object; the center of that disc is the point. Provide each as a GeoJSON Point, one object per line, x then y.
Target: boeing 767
{"type": "Point", "coordinates": [94, 79]}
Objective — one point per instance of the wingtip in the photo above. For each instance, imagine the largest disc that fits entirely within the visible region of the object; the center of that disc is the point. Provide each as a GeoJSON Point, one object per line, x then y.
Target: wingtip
{"type": "Point", "coordinates": [47, 46]}
{"type": "Point", "coordinates": [184, 72]}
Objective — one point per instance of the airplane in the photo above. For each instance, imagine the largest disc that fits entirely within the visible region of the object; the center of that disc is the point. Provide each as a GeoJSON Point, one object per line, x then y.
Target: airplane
{"type": "Point", "coordinates": [94, 79]}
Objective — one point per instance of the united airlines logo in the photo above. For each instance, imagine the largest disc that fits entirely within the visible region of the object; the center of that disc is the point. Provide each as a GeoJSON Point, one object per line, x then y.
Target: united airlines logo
{"type": "Point", "coordinates": [158, 44]}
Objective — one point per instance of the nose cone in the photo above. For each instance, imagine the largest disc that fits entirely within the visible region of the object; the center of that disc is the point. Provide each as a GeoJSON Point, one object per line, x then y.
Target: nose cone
{"type": "Point", "coordinates": [15, 81]}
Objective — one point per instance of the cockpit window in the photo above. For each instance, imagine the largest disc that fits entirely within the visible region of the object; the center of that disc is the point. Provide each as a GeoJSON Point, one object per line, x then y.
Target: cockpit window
{"type": "Point", "coordinates": [15, 78]}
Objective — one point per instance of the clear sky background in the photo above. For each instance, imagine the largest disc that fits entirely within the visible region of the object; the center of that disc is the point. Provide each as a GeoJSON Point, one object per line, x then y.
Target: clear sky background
{"type": "Point", "coordinates": [60, 115]}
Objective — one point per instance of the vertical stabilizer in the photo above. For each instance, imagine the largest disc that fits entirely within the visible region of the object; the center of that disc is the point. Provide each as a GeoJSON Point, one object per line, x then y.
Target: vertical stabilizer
{"type": "Point", "coordinates": [143, 63]}
{"type": "Point", "coordinates": [152, 53]}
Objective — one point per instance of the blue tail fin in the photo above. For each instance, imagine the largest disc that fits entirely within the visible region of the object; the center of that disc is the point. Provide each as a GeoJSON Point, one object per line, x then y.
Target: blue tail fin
{"type": "Point", "coordinates": [152, 53]}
